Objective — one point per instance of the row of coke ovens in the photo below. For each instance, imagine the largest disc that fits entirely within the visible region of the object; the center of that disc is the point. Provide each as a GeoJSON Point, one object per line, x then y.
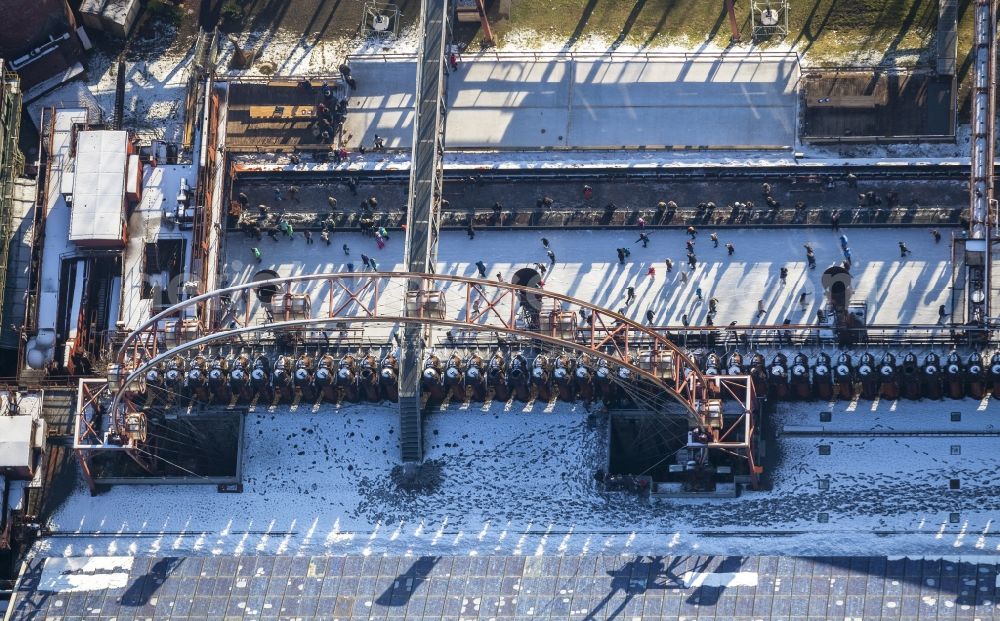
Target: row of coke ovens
{"type": "Point", "coordinates": [244, 377]}
{"type": "Point", "coordinates": [864, 376]}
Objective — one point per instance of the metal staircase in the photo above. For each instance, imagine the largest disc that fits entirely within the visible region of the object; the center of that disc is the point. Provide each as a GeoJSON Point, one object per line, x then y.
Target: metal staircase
{"type": "Point", "coordinates": [423, 214]}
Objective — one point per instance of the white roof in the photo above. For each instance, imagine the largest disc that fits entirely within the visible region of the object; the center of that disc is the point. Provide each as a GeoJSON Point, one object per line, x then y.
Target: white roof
{"type": "Point", "coordinates": [99, 186]}
{"type": "Point", "coordinates": [132, 183]}
{"type": "Point", "coordinates": [15, 441]}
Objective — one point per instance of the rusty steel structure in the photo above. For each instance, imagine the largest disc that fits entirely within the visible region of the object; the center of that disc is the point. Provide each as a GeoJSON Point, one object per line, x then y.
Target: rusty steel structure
{"type": "Point", "coordinates": [658, 373]}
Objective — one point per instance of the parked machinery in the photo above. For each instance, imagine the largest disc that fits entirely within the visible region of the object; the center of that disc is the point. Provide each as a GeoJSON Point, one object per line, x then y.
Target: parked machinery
{"type": "Point", "coordinates": [155, 391]}
{"type": "Point", "coordinates": [303, 378]}
{"type": "Point", "coordinates": [475, 377]}
{"type": "Point", "coordinates": [368, 379]}
{"type": "Point", "coordinates": [975, 375]}
{"type": "Point", "coordinates": [260, 379]}
{"type": "Point", "coordinates": [843, 376]}
{"type": "Point", "coordinates": [430, 380]}
{"type": "Point", "coordinates": [822, 377]}
{"type": "Point", "coordinates": [218, 386]}
{"type": "Point", "coordinates": [735, 365]}
{"type": "Point", "coordinates": [604, 385]}
{"type": "Point", "coordinates": [281, 379]}
{"type": "Point", "coordinates": [758, 374]}
{"type": "Point", "coordinates": [888, 374]}
{"type": "Point", "coordinates": [173, 377]}
{"type": "Point", "coordinates": [324, 380]}
{"type": "Point", "coordinates": [583, 379]}
{"type": "Point", "coordinates": [995, 375]}
{"type": "Point", "coordinates": [712, 364]}
{"type": "Point", "coordinates": [625, 377]}
{"type": "Point", "coordinates": [777, 384]}
{"type": "Point", "coordinates": [867, 375]}
{"type": "Point", "coordinates": [931, 373]}
{"type": "Point", "coordinates": [388, 378]}
{"type": "Point", "coordinates": [347, 379]}
{"type": "Point", "coordinates": [954, 372]}
{"type": "Point", "coordinates": [239, 378]}
{"type": "Point", "coordinates": [540, 373]}
{"type": "Point", "coordinates": [562, 376]}
{"type": "Point", "coordinates": [800, 385]}
{"type": "Point", "coordinates": [910, 379]}
{"type": "Point", "coordinates": [454, 378]}
{"type": "Point", "coordinates": [196, 381]}
{"type": "Point", "coordinates": [496, 378]}
{"type": "Point", "coordinates": [518, 378]}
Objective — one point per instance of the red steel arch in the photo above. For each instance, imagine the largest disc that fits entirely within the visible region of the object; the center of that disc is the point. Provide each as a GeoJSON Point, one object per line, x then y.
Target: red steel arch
{"type": "Point", "coordinates": [381, 297]}
{"type": "Point", "coordinates": [483, 305]}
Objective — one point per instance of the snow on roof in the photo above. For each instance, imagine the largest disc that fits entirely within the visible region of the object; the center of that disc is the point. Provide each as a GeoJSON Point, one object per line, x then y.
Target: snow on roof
{"type": "Point", "coordinates": [99, 186]}
{"type": "Point", "coordinates": [15, 441]}
{"type": "Point", "coordinates": [159, 193]}
{"type": "Point", "coordinates": [70, 95]}
{"type": "Point", "coordinates": [57, 217]}
{"type": "Point", "coordinates": [28, 404]}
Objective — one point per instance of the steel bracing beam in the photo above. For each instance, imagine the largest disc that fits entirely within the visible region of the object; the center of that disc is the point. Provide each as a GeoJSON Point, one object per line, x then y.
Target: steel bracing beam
{"type": "Point", "coordinates": [660, 368]}
{"type": "Point", "coordinates": [423, 211]}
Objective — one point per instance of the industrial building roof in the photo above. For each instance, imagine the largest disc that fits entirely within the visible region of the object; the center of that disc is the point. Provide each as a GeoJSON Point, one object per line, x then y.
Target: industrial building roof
{"type": "Point", "coordinates": [15, 441]}
{"type": "Point", "coordinates": [99, 186]}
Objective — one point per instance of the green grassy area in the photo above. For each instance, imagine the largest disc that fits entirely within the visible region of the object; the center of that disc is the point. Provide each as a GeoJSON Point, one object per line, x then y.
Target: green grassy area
{"type": "Point", "coordinates": [826, 30]}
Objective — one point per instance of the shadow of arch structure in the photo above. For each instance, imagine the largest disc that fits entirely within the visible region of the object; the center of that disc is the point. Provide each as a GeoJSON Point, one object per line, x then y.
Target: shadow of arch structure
{"type": "Point", "coordinates": [637, 352]}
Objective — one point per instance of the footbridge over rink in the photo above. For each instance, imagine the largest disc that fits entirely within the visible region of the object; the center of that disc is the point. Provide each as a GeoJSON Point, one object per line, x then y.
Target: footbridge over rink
{"type": "Point", "coordinates": [649, 367]}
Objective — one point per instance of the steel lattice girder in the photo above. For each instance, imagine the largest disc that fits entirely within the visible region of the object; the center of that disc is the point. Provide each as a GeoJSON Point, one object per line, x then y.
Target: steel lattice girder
{"type": "Point", "coordinates": [379, 297]}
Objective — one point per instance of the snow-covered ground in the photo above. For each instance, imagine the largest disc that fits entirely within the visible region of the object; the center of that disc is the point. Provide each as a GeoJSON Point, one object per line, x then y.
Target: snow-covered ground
{"type": "Point", "coordinates": [517, 479]}
{"type": "Point", "coordinates": [154, 93]}
{"type": "Point", "coordinates": [898, 290]}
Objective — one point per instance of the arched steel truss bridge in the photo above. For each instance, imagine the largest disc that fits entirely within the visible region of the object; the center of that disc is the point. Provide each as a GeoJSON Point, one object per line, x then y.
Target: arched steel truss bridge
{"type": "Point", "coordinates": [312, 304]}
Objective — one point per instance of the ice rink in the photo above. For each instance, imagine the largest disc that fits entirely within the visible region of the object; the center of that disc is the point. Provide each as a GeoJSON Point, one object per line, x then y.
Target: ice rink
{"type": "Point", "coordinates": [896, 289]}
{"type": "Point", "coordinates": [539, 101]}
